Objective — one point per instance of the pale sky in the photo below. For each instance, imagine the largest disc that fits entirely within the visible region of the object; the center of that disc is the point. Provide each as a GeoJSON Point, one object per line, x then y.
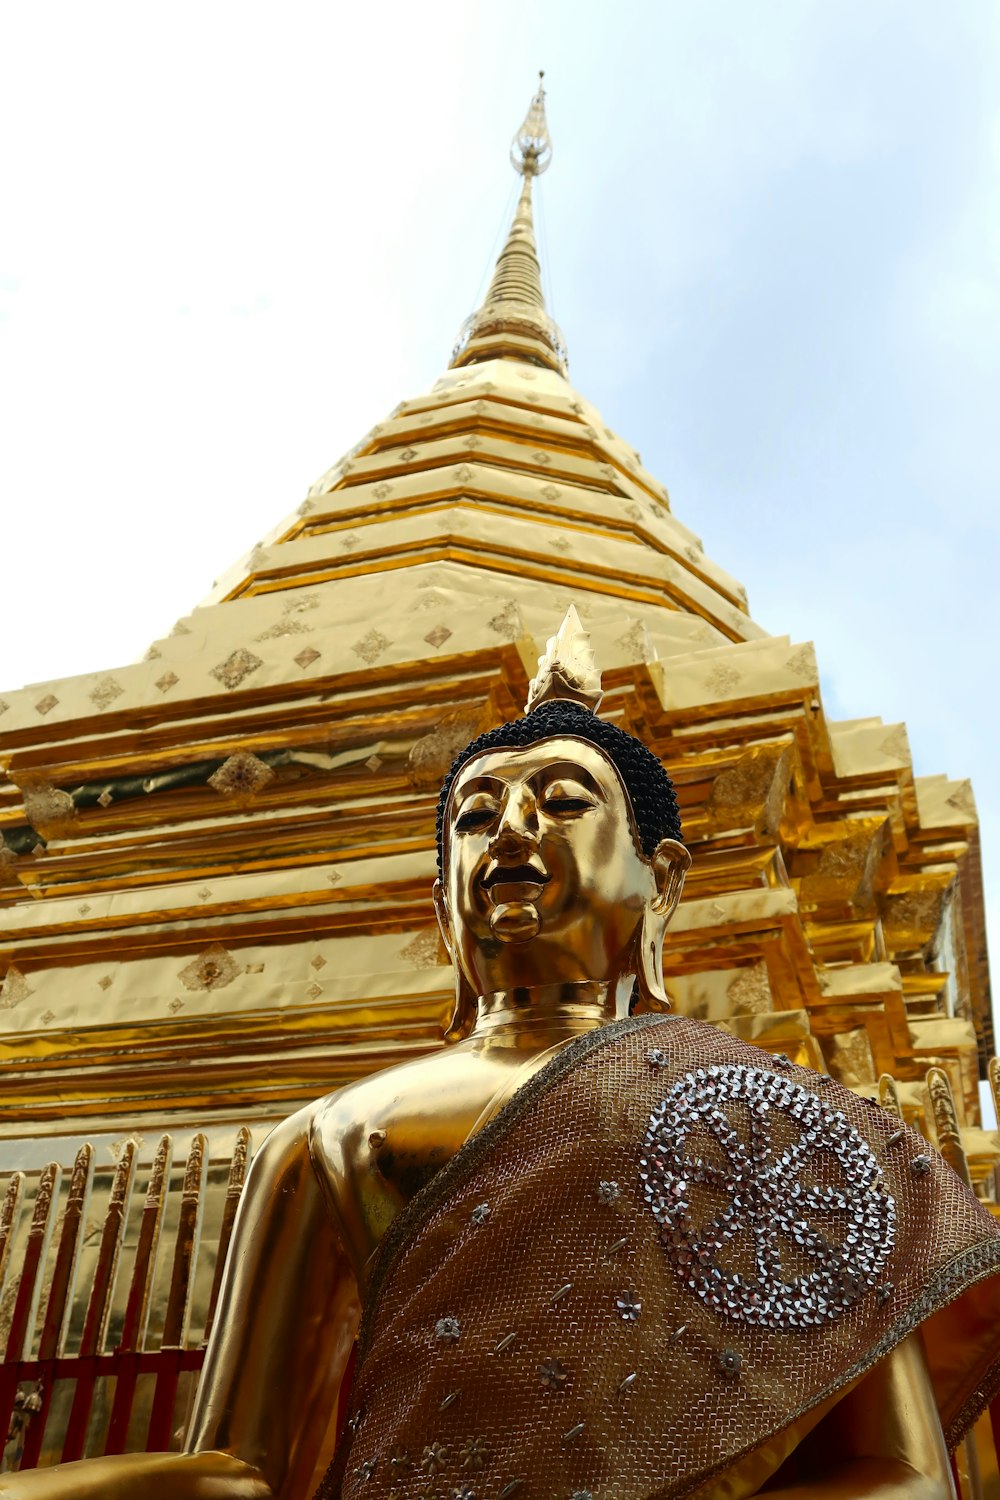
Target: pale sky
{"type": "Point", "coordinates": [233, 237]}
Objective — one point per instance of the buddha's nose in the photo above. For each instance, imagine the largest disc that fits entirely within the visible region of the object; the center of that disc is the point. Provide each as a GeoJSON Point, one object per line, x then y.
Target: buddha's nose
{"type": "Point", "coordinates": [518, 826]}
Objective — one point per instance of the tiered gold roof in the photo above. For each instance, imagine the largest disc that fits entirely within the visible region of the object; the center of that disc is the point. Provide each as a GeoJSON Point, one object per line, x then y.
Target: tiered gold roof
{"type": "Point", "coordinates": [214, 885]}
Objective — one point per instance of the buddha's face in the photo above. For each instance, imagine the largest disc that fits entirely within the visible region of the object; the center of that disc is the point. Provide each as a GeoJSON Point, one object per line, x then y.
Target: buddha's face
{"type": "Point", "coordinates": [544, 878]}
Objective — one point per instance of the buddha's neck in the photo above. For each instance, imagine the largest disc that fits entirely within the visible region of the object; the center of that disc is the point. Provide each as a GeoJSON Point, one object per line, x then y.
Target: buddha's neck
{"type": "Point", "coordinates": [546, 1014]}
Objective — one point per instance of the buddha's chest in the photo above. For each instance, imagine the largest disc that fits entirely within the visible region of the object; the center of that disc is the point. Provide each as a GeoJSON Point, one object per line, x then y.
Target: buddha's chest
{"type": "Point", "coordinates": [402, 1138]}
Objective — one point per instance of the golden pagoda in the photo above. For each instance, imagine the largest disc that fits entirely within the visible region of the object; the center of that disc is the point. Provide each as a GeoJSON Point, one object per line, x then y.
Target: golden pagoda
{"type": "Point", "coordinates": [215, 865]}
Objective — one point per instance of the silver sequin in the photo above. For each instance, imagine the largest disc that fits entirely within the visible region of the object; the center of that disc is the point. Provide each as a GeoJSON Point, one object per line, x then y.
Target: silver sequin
{"type": "Point", "coordinates": [474, 1454]}
{"type": "Point", "coordinates": [629, 1306]}
{"type": "Point", "coordinates": [434, 1459]}
{"type": "Point", "coordinates": [607, 1192]}
{"type": "Point", "coordinates": [552, 1373]}
{"type": "Point", "coordinates": [730, 1363]}
{"type": "Point", "coordinates": [920, 1165]}
{"type": "Point", "coordinates": [711, 1139]}
{"type": "Point", "coordinates": [656, 1058]}
{"type": "Point", "coordinates": [480, 1213]}
{"type": "Point", "coordinates": [447, 1330]}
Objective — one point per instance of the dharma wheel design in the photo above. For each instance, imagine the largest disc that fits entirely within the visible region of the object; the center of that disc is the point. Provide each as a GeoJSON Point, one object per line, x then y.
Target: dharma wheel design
{"type": "Point", "coordinates": [770, 1204]}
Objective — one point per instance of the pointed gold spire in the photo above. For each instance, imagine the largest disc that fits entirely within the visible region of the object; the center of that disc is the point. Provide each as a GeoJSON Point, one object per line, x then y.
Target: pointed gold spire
{"type": "Point", "coordinates": [567, 668]}
{"type": "Point", "coordinates": [512, 322]}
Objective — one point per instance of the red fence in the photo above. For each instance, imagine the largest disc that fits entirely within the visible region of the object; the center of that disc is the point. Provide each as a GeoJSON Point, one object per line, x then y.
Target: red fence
{"type": "Point", "coordinates": [83, 1373]}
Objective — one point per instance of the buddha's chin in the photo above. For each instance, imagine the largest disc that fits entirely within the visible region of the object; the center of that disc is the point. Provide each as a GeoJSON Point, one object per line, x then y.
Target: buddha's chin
{"type": "Point", "coordinates": [515, 921]}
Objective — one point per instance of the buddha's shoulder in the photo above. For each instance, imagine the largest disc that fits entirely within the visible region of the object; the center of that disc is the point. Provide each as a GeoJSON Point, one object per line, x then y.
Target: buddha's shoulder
{"type": "Point", "coordinates": [430, 1103]}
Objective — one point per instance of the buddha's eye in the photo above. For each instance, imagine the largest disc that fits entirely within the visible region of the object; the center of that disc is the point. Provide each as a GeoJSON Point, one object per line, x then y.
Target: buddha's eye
{"type": "Point", "coordinates": [475, 816]}
{"type": "Point", "coordinates": [566, 799]}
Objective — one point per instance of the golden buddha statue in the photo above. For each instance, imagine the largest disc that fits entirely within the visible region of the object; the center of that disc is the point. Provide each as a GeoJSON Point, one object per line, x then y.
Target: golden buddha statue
{"type": "Point", "coordinates": [592, 1249]}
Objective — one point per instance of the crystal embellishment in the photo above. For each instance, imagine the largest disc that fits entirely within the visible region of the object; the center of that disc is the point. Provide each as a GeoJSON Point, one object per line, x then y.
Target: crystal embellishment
{"type": "Point", "coordinates": [629, 1307]}
{"type": "Point", "coordinates": [741, 1156]}
{"type": "Point", "coordinates": [371, 646]}
{"type": "Point", "coordinates": [608, 1192]}
{"type": "Point", "coordinates": [105, 693]}
{"type": "Point", "coordinates": [447, 1330]}
{"type": "Point", "coordinates": [237, 665]}
{"type": "Point", "coordinates": [243, 774]}
{"type": "Point", "coordinates": [474, 1454]}
{"type": "Point", "coordinates": [400, 1463]}
{"type": "Point", "coordinates": [434, 1458]}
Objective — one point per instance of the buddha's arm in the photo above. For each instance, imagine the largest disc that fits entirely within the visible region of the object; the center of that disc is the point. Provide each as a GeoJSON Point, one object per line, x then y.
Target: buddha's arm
{"type": "Point", "coordinates": [286, 1321]}
{"type": "Point", "coordinates": [883, 1439]}
{"type": "Point", "coordinates": [283, 1333]}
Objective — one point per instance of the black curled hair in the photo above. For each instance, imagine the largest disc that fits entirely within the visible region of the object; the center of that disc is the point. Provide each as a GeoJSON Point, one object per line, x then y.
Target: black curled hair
{"type": "Point", "coordinates": [650, 789]}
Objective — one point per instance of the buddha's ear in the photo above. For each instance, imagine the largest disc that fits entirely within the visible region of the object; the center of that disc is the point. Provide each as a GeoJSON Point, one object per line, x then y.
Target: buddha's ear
{"type": "Point", "coordinates": [670, 864]}
{"type": "Point", "coordinates": [443, 918]}
{"type": "Point", "coordinates": [463, 1017]}
{"type": "Point", "coordinates": [648, 960]}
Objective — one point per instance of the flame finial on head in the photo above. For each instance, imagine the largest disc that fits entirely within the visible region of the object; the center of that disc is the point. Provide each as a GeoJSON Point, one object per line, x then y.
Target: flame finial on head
{"type": "Point", "coordinates": [567, 668]}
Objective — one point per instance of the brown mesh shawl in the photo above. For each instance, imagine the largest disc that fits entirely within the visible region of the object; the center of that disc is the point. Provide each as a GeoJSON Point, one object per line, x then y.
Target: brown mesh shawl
{"type": "Point", "coordinates": [664, 1250]}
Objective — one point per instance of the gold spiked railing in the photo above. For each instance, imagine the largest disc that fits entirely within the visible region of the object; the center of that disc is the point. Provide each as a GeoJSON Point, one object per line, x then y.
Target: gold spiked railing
{"type": "Point", "coordinates": [93, 1369]}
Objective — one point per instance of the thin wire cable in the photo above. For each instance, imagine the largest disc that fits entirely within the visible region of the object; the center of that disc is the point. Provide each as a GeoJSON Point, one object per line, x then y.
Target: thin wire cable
{"type": "Point", "coordinates": [543, 245]}
{"type": "Point", "coordinates": [502, 229]}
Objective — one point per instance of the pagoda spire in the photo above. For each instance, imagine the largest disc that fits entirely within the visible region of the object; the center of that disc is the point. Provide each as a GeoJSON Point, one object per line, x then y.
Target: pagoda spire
{"type": "Point", "coordinates": [512, 322]}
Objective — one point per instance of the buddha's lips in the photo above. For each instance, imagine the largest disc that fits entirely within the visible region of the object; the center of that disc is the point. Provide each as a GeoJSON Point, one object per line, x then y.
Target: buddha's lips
{"type": "Point", "coordinates": [514, 875]}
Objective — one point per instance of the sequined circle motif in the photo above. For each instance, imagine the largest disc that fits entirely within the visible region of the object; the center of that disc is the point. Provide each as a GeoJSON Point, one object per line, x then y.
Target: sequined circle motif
{"type": "Point", "coordinates": [770, 1204]}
